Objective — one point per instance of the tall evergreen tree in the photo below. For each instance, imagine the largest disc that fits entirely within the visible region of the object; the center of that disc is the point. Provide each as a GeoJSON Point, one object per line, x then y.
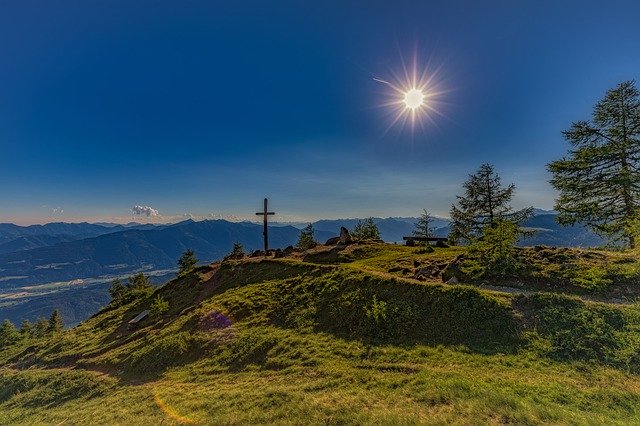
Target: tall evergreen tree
{"type": "Point", "coordinates": [306, 241]}
{"type": "Point", "coordinates": [26, 329]}
{"type": "Point", "coordinates": [8, 333]}
{"type": "Point", "coordinates": [599, 180]}
{"type": "Point", "coordinates": [423, 227]}
{"type": "Point", "coordinates": [41, 327]}
{"type": "Point", "coordinates": [55, 322]}
{"type": "Point", "coordinates": [484, 203]}
{"type": "Point", "coordinates": [187, 263]}
{"type": "Point", "coordinates": [117, 289]}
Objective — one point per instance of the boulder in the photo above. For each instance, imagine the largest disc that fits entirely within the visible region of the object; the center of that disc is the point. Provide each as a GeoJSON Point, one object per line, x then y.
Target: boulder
{"type": "Point", "coordinates": [345, 237]}
{"type": "Point", "coordinates": [332, 241]}
{"type": "Point", "coordinates": [257, 253]}
{"type": "Point", "coordinates": [441, 244]}
{"type": "Point", "coordinates": [278, 254]}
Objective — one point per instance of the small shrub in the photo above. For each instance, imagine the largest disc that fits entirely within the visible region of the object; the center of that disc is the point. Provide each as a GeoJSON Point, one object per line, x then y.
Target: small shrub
{"type": "Point", "coordinates": [593, 278]}
{"type": "Point", "coordinates": [159, 306]}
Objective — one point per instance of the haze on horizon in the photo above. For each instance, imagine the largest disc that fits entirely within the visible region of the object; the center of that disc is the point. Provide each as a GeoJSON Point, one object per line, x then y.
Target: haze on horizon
{"type": "Point", "coordinates": [202, 109]}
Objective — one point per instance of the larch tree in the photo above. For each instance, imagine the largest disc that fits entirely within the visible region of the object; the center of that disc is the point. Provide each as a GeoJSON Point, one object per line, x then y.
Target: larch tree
{"type": "Point", "coordinates": [423, 227]}
{"type": "Point", "coordinates": [55, 322]}
{"type": "Point", "coordinates": [306, 240]}
{"type": "Point", "coordinates": [484, 203]}
{"type": "Point", "coordinates": [599, 179]}
{"type": "Point", "coordinates": [187, 263]}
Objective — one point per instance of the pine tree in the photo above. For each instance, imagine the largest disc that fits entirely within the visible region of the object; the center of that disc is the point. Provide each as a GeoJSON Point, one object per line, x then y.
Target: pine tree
{"type": "Point", "coordinates": [8, 333]}
{"type": "Point", "coordinates": [26, 329]}
{"type": "Point", "coordinates": [237, 252]}
{"type": "Point", "coordinates": [139, 286]}
{"type": "Point", "coordinates": [306, 241]}
{"type": "Point", "coordinates": [41, 327]}
{"type": "Point", "coordinates": [186, 263]}
{"type": "Point", "coordinates": [366, 230]}
{"type": "Point", "coordinates": [117, 289]}
{"type": "Point", "coordinates": [599, 180]}
{"type": "Point", "coordinates": [485, 201]}
{"type": "Point", "coordinates": [423, 226]}
{"type": "Point", "coordinates": [55, 322]}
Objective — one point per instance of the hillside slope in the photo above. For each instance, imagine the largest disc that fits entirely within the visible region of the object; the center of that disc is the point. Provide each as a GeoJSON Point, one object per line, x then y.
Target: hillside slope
{"type": "Point", "coordinates": [333, 336]}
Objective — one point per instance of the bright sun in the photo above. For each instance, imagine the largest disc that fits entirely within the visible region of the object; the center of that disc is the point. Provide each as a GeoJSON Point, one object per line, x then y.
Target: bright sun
{"type": "Point", "coordinates": [414, 98]}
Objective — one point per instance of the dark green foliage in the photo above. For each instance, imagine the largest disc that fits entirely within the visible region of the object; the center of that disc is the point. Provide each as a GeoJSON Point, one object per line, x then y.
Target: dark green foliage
{"type": "Point", "coordinates": [484, 202]}
{"type": "Point", "coordinates": [159, 306]}
{"type": "Point", "coordinates": [423, 227]}
{"type": "Point", "coordinates": [599, 181]}
{"type": "Point", "coordinates": [55, 322]}
{"type": "Point", "coordinates": [26, 329]}
{"type": "Point", "coordinates": [577, 331]}
{"type": "Point", "coordinates": [366, 230]}
{"type": "Point", "coordinates": [494, 255]}
{"type": "Point", "coordinates": [237, 252]}
{"type": "Point", "coordinates": [138, 287]}
{"type": "Point", "coordinates": [9, 334]}
{"type": "Point", "coordinates": [306, 240]}
{"type": "Point", "coordinates": [117, 289]}
{"type": "Point", "coordinates": [139, 283]}
{"type": "Point", "coordinates": [40, 329]}
{"type": "Point", "coordinates": [187, 263]}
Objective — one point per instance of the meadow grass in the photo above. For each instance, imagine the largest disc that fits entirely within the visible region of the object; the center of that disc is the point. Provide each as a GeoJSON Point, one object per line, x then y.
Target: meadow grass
{"type": "Point", "coordinates": [308, 341]}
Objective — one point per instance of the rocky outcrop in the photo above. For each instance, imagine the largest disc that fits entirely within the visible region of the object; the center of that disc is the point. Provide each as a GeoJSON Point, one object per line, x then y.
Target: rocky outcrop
{"type": "Point", "coordinates": [345, 237]}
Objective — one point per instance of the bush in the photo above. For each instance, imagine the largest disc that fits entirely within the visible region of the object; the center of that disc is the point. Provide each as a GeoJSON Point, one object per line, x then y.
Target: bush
{"type": "Point", "coordinates": [493, 255]}
{"type": "Point", "coordinates": [593, 278]}
{"type": "Point", "coordinates": [159, 306]}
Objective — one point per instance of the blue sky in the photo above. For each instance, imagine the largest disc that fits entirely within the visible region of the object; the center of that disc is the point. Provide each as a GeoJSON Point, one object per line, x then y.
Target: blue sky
{"type": "Point", "coordinates": [203, 108]}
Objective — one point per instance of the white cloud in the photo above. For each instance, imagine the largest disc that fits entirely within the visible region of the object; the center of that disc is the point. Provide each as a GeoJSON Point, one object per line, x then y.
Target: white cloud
{"type": "Point", "coordinates": [145, 211]}
{"type": "Point", "coordinates": [57, 210]}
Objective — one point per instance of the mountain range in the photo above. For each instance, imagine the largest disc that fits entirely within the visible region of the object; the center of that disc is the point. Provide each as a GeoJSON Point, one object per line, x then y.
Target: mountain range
{"type": "Point", "coordinates": [68, 266]}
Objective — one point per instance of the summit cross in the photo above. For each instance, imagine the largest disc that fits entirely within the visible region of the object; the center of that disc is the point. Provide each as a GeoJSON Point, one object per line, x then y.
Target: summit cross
{"type": "Point", "coordinates": [265, 214]}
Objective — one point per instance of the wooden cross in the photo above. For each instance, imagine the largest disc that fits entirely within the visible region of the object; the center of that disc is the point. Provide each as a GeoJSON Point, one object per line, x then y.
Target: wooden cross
{"type": "Point", "coordinates": [265, 214]}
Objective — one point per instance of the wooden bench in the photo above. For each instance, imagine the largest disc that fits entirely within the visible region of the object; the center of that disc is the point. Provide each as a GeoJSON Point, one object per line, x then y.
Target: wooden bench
{"type": "Point", "coordinates": [411, 241]}
{"type": "Point", "coordinates": [142, 315]}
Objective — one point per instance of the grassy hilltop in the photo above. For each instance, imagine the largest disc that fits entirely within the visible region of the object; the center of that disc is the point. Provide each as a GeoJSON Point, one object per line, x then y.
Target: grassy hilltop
{"type": "Point", "coordinates": [366, 334]}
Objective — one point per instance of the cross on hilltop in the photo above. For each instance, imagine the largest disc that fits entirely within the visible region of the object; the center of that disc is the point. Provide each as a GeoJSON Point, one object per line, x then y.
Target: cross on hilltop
{"type": "Point", "coordinates": [265, 214]}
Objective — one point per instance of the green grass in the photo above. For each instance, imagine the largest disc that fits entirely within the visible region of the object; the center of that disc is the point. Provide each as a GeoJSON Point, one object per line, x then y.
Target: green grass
{"type": "Point", "coordinates": [333, 338]}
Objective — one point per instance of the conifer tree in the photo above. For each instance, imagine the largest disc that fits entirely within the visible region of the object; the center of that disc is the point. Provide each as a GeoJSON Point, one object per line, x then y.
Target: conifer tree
{"type": "Point", "coordinates": [423, 227]}
{"type": "Point", "coordinates": [306, 241]}
{"type": "Point", "coordinates": [187, 263]}
{"type": "Point", "coordinates": [484, 203]}
{"type": "Point", "coordinates": [26, 329]}
{"type": "Point", "coordinates": [599, 180]}
{"type": "Point", "coordinates": [366, 230]}
{"type": "Point", "coordinates": [117, 289]}
{"type": "Point", "coordinates": [237, 252]}
{"type": "Point", "coordinates": [55, 322]}
{"type": "Point", "coordinates": [41, 327]}
{"type": "Point", "coordinates": [8, 333]}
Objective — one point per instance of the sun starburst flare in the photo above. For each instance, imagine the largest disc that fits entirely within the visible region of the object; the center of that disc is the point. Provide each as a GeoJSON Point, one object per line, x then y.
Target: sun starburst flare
{"type": "Point", "coordinates": [416, 94]}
